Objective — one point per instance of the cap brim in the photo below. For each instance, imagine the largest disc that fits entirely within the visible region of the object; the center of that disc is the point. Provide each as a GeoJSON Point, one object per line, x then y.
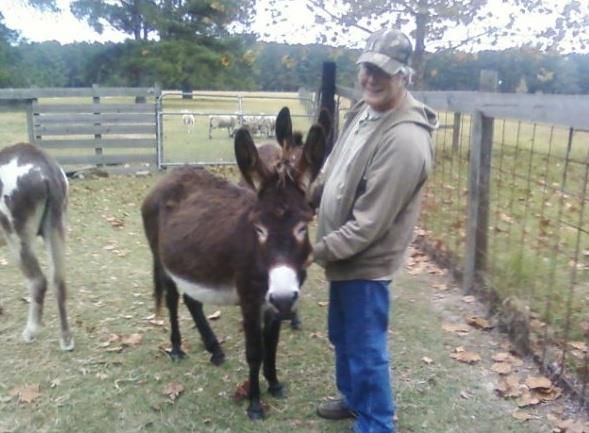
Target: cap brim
{"type": "Point", "coordinates": [390, 66]}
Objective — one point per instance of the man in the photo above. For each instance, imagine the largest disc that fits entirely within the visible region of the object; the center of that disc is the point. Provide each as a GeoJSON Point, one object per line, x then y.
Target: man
{"type": "Point", "coordinates": [372, 184]}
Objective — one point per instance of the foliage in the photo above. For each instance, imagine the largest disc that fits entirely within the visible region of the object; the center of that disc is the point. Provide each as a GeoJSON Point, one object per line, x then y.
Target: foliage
{"type": "Point", "coordinates": [164, 19]}
{"type": "Point", "coordinates": [244, 64]}
{"type": "Point", "coordinates": [432, 20]}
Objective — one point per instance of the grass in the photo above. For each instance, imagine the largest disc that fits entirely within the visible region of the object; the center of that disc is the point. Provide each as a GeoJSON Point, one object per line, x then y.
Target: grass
{"type": "Point", "coordinates": [94, 389]}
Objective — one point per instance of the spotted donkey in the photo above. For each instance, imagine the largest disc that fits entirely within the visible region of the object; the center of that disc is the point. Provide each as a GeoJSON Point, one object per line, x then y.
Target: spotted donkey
{"type": "Point", "coordinates": [33, 199]}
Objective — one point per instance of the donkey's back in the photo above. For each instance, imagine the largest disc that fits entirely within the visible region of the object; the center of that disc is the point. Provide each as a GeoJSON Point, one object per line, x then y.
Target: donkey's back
{"type": "Point", "coordinates": [33, 199]}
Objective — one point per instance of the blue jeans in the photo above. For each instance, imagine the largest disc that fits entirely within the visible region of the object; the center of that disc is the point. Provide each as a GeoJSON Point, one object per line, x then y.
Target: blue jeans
{"type": "Point", "coordinates": [358, 325]}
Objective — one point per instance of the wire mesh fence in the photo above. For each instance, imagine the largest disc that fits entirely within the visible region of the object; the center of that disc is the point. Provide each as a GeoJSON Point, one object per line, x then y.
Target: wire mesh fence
{"type": "Point", "coordinates": [534, 263]}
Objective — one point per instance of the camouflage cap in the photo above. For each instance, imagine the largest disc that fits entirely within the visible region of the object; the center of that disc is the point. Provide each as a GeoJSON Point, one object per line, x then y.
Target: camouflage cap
{"type": "Point", "coordinates": [390, 50]}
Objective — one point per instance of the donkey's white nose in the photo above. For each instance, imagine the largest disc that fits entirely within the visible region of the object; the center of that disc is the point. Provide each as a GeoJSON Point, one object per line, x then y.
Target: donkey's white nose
{"type": "Point", "coordinates": [283, 288]}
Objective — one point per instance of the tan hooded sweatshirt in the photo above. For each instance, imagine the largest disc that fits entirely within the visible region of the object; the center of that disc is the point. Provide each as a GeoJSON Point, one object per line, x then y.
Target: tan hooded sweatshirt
{"type": "Point", "coordinates": [368, 212]}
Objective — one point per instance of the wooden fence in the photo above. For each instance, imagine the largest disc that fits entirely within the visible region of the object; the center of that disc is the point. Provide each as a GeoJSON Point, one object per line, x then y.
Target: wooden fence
{"type": "Point", "coordinates": [90, 125]}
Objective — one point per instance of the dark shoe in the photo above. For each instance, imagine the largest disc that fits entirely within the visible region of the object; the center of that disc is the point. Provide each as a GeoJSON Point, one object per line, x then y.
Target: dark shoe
{"type": "Point", "coordinates": [335, 410]}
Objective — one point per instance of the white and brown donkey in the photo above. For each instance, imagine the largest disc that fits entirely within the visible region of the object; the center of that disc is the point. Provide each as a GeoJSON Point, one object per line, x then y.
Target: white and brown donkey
{"type": "Point", "coordinates": [33, 199]}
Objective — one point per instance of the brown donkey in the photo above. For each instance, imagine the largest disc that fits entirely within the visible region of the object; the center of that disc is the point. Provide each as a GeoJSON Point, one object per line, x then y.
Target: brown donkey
{"type": "Point", "coordinates": [33, 199]}
{"type": "Point", "coordinates": [217, 243]}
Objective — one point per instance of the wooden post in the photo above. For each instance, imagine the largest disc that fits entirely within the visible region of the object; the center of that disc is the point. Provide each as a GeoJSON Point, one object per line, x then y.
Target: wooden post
{"type": "Point", "coordinates": [478, 199]}
{"type": "Point", "coordinates": [327, 99]}
{"type": "Point", "coordinates": [456, 132]}
{"type": "Point", "coordinates": [30, 105]}
{"type": "Point", "coordinates": [96, 100]}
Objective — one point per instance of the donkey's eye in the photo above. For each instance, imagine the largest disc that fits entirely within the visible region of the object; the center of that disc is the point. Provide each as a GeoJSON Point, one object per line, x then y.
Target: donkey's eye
{"type": "Point", "coordinates": [300, 231]}
{"type": "Point", "coordinates": [262, 233]}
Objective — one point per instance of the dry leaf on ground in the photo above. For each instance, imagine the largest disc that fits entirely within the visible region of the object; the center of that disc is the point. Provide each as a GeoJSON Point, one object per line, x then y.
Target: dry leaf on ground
{"type": "Point", "coordinates": [509, 387]}
{"type": "Point", "coordinates": [465, 356]}
{"type": "Point", "coordinates": [173, 390]}
{"type": "Point", "coordinates": [215, 315]}
{"type": "Point", "coordinates": [479, 323]}
{"type": "Point", "coordinates": [501, 368]}
{"type": "Point", "coordinates": [538, 382]}
{"type": "Point", "coordinates": [521, 415]}
{"type": "Point", "coordinates": [26, 393]}
{"type": "Point", "coordinates": [241, 391]}
{"type": "Point", "coordinates": [132, 340]}
{"type": "Point", "coordinates": [456, 328]}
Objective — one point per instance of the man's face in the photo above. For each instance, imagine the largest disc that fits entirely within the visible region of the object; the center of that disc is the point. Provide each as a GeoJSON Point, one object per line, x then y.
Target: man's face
{"type": "Point", "coordinates": [380, 90]}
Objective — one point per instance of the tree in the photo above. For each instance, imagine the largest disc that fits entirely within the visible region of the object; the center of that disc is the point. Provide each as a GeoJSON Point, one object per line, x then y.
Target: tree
{"type": "Point", "coordinates": [432, 21]}
{"type": "Point", "coordinates": [165, 19]}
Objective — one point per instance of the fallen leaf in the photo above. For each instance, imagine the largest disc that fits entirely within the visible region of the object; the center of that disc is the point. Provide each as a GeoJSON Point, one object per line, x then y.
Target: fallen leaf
{"type": "Point", "coordinates": [521, 415]}
{"type": "Point", "coordinates": [466, 357]}
{"type": "Point", "coordinates": [427, 360]}
{"type": "Point", "coordinates": [241, 391]}
{"type": "Point", "coordinates": [27, 393]}
{"type": "Point", "coordinates": [173, 390]}
{"type": "Point", "coordinates": [509, 387]}
{"type": "Point", "coordinates": [507, 357]}
{"type": "Point", "coordinates": [528, 399]}
{"type": "Point", "coordinates": [215, 315]}
{"type": "Point", "coordinates": [456, 328]}
{"type": "Point", "coordinates": [468, 299]}
{"type": "Point", "coordinates": [132, 340]}
{"type": "Point", "coordinates": [579, 345]}
{"type": "Point", "coordinates": [479, 323]}
{"type": "Point", "coordinates": [322, 303]}
{"type": "Point", "coordinates": [501, 368]}
{"type": "Point", "coordinates": [538, 382]}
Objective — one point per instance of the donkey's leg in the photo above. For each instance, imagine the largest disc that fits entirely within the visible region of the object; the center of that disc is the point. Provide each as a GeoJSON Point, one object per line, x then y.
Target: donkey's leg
{"type": "Point", "coordinates": [295, 322]}
{"type": "Point", "coordinates": [208, 336]}
{"type": "Point", "coordinates": [55, 243]}
{"type": "Point", "coordinates": [172, 302]}
{"type": "Point", "coordinates": [271, 337]}
{"type": "Point", "coordinates": [37, 283]}
{"type": "Point", "coordinates": [254, 353]}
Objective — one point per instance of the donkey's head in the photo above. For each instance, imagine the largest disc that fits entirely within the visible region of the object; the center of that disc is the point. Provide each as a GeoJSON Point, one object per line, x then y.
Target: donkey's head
{"type": "Point", "coordinates": [281, 213]}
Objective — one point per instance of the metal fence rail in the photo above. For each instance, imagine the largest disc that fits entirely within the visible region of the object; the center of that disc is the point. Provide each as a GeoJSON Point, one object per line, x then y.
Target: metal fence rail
{"type": "Point", "coordinates": [507, 209]}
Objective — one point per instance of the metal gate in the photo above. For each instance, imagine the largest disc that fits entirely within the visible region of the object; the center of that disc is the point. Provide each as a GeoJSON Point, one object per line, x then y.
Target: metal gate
{"type": "Point", "coordinates": [197, 128]}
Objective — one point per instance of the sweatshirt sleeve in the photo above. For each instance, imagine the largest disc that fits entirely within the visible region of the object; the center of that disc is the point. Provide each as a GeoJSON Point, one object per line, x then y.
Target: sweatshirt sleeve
{"type": "Point", "coordinates": [393, 175]}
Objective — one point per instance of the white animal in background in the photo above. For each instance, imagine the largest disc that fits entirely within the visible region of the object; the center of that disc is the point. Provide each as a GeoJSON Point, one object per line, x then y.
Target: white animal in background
{"type": "Point", "coordinates": [229, 122]}
{"type": "Point", "coordinates": [188, 120]}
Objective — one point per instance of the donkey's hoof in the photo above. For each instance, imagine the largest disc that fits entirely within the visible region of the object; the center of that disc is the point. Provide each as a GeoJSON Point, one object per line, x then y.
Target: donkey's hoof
{"type": "Point", "coordinates": [255, 413]}
{"type": "Point", "coordinates": [66, 342]}
{"type": "Point", "coordinates": [30, 333]}
{"type": "Point", "coordinates": [296, 324]}
{"type": "Point", "coordinates": [277, 390]}
{"type": "Point", "coordinates": [217, 358]}
{"type": "Point", "coordinates": [177, 355]}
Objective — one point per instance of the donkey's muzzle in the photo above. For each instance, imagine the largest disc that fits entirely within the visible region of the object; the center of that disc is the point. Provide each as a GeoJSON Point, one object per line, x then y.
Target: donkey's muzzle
{"type": "Point", "coordinates": [284, 304]}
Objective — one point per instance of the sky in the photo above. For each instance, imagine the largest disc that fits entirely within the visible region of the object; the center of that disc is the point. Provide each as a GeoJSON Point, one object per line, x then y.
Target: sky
{"type": "Point", "coordinates": [299, 27]}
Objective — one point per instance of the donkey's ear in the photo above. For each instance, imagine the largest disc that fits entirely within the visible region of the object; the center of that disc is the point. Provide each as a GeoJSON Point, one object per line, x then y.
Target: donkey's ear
{"type": "Point", "coordinates": [250, 165]}
{"type": "Point", "coordinates": [311, 161]}
{"type": "Point", "coordinates": [283, 127]}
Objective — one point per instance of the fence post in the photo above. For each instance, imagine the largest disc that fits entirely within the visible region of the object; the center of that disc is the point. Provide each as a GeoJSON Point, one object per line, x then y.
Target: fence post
{"type": "Point", "coordinates": [327, 98]}
{"type": "Point", "coordinates": [96, 100]}
{"type": "Point", "coordinates": [456, 132]}
{"type": "Point", "coordinates": [478, 199]}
